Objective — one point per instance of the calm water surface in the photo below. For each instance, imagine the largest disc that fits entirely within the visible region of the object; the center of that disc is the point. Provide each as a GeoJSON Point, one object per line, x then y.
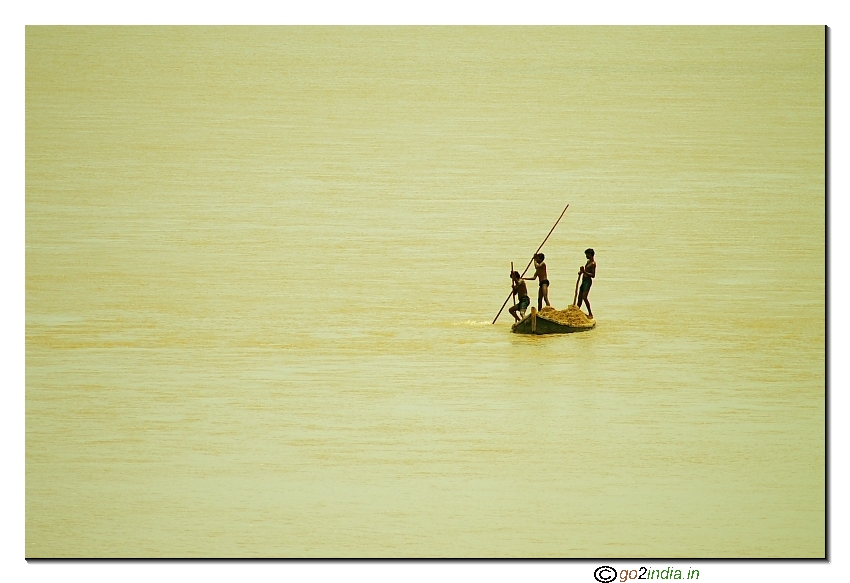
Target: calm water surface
{"type": "Point", "coordinates": [262, 263]}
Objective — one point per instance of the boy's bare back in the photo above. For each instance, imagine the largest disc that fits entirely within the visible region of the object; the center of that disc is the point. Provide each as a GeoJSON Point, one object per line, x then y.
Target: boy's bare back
{"type": "Point", "coordinates": [520, 289]}
{"type": "Point", "coordinates": [540, 271]}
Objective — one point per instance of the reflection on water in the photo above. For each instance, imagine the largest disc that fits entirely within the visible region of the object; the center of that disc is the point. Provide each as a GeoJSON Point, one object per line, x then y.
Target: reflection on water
{"type": "Point", "coordinates": [262, 264]}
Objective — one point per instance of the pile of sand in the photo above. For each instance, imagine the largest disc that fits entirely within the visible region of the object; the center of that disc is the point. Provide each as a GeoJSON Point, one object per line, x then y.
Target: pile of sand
{"type": "Point", "coordinates": [572, 316]}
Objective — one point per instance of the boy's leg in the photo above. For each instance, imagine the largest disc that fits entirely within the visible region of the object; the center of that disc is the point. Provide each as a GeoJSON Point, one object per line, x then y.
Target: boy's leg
{"type": "Point", "coordinates": [582, 295]}
{"type": "Point", "coordinates": [545, 289]}
{"type": "Point", "coordinates": [513, 313]}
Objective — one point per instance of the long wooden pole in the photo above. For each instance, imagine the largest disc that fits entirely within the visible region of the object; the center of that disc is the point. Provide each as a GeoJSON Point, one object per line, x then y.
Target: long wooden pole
{"type": "Point", "coordinates": [512, 278]}
{"type": "Point", "coordinates": [532, 259]}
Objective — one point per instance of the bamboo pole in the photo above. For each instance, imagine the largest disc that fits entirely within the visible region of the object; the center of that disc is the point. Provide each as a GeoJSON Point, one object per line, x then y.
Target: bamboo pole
{"type": "Point", "coordinates": [512, 278]}
{"type": "Point", "coordinates": [575, 296]}
{"type": "Point", "coordinates": [532, 259]}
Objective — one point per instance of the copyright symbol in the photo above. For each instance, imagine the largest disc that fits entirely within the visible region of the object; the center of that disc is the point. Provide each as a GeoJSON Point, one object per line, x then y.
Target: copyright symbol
{"type": "Point", "coordinates": [605, 574]}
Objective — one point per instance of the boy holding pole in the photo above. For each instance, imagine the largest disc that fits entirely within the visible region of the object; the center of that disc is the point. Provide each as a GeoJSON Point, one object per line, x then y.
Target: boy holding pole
{"type": "Point", "coordinates": [587, 272]}
{"type": "Point", "coordinates": [520, 293]}
{"type": "Point", "coordinates": [540, 274]}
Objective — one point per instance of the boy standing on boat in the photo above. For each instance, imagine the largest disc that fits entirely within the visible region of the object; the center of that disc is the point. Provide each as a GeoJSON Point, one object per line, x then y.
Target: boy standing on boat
{"type": "Point", "coordinates": [588, 272]}
{"type": "Point", "coordinates": [540, 274]}
{"type": "Point", "coordinates": [520, 292]}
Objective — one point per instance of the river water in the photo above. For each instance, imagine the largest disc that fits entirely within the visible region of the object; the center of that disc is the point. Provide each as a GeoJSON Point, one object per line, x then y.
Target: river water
{"type": "Point", "coordinates": [262, 263]}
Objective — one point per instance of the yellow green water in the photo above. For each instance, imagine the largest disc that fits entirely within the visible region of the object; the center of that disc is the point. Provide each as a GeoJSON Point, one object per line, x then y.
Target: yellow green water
{"type": "Point", "coordinates": [261, 266]}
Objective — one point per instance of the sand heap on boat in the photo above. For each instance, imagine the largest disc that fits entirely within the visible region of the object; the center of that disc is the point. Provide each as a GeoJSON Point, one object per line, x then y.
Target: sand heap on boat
{"type": "Point", "coordinates": [572, 316]}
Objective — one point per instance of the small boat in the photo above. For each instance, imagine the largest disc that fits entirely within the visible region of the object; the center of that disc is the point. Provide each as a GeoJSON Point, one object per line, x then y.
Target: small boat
{"type": "Point", "coordinates": [551, 321]}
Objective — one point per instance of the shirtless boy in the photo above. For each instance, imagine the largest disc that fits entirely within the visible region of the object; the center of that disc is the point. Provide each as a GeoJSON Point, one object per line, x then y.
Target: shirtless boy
{"type": "Point", "coordinates": [540, 274]}
{"type": "Point", "coordinates": [588, 272]}
{"type": "Point", "coordinates": [520, 292]}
